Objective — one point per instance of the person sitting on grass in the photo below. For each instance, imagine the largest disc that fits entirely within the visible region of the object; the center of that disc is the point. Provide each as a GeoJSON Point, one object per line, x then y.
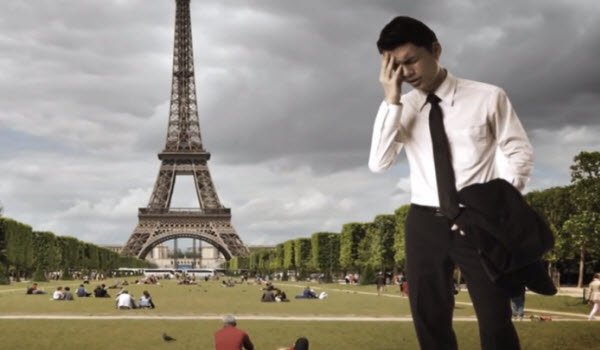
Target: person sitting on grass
{"type": "Point", "coordinates": [300, 344]}
{"type": "Point", "coordinates": [267, 296]}
{"type": "Point", "coordinates": [280, 295]}
{"type": "Point", "coordinates": [230, 337]}
{"type": "Point", "coordinates": [228, 283]}
{"type": "Point", "coordinates": [81, 292]}
{"type": "Point", "coordinates": [58, 294]}
{"type": "Point", "coordinates": [269, 286]}
{"type": "Point", "coordinates": [67, 294]}
{"type": "Point", "coordinates": [307, 293]}
{"type": "Point", "coordinates": [146, 301]}
{"type": "Point", "coordinates": [114, 285]}
{"type": "Point", "coordinates": [125, 301]}
{"type": "Point", "coordinates": [100, 292]}
{"type": "Point", "coordinates": [186, 280]}
{"type": "Point", "coordinates": [34, 289]}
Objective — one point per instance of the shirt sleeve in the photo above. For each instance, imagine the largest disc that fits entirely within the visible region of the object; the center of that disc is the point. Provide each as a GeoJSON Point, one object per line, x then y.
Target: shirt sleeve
{"type": "Point", "coordinates": [512, 142]}
{"type": "Point", "coordinates": [387, 135]}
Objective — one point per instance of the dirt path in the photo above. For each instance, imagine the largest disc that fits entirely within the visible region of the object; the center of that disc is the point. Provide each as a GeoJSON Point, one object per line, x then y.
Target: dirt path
{"type": "Point", "coordinates": [536, 311]}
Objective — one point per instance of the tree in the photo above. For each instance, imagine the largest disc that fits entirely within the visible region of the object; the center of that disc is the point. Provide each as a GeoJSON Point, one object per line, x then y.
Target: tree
{"type": "Point", "coordinates": [325, 253]}
{"type": "Point", "coordinates": [91, 260]}
{"type": "Point", "coordinates": [3, 258]}
{"type": "Point", "coordinates": [585, 179]}
{"type": "Point", "coordinates": [584, 229]}
{"type": "Point", "coordinates": [19, 247]}
{"type": "Point", "coordinates": [238, 263]}
{"type": "Point", "coordinates": [47, 254]}
{"type": "Point", "coordinates": [288, 255]}
{"type": "Point", "coordinates": [253, 261]}
{"type": "Point", "coordinates": [587, 166]}
{"type": "Point", "coordinates": [264, 257]}
{"type": "Point", "coordinates": [364, 249]}
{"type": "Point", "coordinates": [276, 260]}
{"type": "Point", "coordinates": [302, 251]}
{"type": "Point", "coordinates": [69, 247]}
{"type": "Point", "coordinates": [555, 206]}
{"type": "Point", "coordinates": [399, 244]}
{"type": "Point", "coordinates": [381, 234]}
{"type": "Point", "coordinates": [350, 238]}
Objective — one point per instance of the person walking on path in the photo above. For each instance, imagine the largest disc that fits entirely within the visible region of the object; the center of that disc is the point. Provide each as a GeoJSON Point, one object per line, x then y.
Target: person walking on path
{"type": "Point", "coordinates": [594, 296]}
{"type": "Point", "coordinates": [380, 282]}
{"type": "Point", "coordinates": [451, 129]}
{"type": "Point", "coordinates": [231, 338]}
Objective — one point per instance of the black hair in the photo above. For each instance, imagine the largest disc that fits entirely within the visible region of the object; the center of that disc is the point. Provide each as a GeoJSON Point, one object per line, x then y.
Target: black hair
{"type": "Point", "coordinates": [402, 30]}
{"type": "Point", "coordinates": [301, 344]}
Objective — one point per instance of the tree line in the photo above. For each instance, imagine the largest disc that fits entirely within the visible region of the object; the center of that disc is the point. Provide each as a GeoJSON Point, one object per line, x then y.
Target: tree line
{"type": "Point", "coordinates": [25, 253]}
{"type": "Point", "coordinates": [572, 213]}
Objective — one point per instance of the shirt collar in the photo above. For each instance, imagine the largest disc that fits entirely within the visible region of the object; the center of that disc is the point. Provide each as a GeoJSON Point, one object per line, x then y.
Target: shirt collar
{"type": "Point", "coordinates": [445, 92]}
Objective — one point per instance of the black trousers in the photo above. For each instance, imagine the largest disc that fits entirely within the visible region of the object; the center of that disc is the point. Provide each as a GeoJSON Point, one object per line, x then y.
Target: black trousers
{"type": "Point", "coordinates": [432, 251]}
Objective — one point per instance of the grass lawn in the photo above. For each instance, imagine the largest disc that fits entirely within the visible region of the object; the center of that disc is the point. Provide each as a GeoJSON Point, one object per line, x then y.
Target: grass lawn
{"type": "Point", "coordinates": [211, 299]}
{"type": "Point", "coordinates": [146, 334]}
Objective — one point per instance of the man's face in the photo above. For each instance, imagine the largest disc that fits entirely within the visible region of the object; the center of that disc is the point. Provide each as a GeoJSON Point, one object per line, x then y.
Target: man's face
{"type": "Point", "coordinates": [420, 67]}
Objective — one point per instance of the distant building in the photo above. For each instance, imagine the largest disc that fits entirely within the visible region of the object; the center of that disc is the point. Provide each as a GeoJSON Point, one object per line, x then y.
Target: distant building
{"type": "Point", "coordinates": [161, 251]}
{"type": "Point", "coordinates": [206, 256]}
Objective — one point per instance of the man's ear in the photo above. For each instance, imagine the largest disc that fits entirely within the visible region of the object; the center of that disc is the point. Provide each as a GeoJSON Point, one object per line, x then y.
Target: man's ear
{"type": "Point", "coordinates": [436, 50]}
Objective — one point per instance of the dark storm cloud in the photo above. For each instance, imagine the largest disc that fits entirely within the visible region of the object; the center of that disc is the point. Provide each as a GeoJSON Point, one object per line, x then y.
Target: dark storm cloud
{"type": "Point", "coordinates": [542, 54]}
{"type": "Point", "coordinates": [310, 86]}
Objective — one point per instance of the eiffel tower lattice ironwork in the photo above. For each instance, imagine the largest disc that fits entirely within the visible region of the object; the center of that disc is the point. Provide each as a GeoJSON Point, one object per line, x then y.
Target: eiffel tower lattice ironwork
{"type": "Point", "coordinates": [184, 155]}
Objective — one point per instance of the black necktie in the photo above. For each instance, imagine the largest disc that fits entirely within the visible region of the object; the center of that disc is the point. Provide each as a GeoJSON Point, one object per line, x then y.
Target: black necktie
{"type": "Point", "coordinates": [444, 174]}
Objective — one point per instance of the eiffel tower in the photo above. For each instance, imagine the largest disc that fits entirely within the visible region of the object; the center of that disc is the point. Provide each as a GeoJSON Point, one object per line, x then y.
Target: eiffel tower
{"type": "Point", "coordinates": [184, 155]}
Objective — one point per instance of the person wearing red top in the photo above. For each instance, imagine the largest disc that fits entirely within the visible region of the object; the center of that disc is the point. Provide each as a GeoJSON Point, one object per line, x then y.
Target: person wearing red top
{"type": "Point", "coordinates": [231, 338]}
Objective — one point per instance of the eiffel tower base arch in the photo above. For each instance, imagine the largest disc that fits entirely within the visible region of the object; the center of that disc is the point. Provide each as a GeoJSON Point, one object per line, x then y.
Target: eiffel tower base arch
{"type": "Point", "coordinates": [155, 228]}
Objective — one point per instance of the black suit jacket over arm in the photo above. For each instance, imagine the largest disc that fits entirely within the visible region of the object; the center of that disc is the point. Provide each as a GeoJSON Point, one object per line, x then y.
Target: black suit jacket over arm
{"type": "Point", "coordinates": [509, 235]}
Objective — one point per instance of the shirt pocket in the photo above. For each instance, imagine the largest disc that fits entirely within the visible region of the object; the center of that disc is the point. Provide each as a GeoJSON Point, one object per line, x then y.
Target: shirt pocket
{"type": "Point", "coordinates": [468, 144]}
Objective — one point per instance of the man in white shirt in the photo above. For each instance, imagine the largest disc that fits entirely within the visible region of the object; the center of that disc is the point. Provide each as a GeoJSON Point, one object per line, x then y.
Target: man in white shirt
{"type": "Point", "coordinates": [58, 294]}
{"type": "Point", "coordinates": [478, 120]}
{"type": "Point", "coordinates": [125, 301]}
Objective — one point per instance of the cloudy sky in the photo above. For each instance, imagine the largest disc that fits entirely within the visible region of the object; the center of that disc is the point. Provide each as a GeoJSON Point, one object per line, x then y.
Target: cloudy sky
{"type": "Point", "coordinates": [287, 93]}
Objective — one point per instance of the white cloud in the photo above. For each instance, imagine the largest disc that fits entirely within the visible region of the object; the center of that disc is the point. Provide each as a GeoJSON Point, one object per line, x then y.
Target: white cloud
{"type": "Point", "coordinates": [556, 148]}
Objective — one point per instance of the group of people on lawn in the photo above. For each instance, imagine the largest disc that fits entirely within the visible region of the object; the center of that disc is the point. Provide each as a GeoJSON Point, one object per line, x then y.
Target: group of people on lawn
{"type": "Point", "coordinates": [273, 294]}
{"type": "Point", "coordinates": [124, 299]}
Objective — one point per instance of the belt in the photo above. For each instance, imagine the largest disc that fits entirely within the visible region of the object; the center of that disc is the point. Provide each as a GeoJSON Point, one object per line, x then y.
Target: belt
{"type": "Point", "coordinates": [432, 210]}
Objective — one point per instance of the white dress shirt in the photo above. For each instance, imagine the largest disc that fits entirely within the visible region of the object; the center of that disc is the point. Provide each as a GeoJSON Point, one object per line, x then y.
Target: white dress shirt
{"type": "Point", "coordinates": [479, 120]}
